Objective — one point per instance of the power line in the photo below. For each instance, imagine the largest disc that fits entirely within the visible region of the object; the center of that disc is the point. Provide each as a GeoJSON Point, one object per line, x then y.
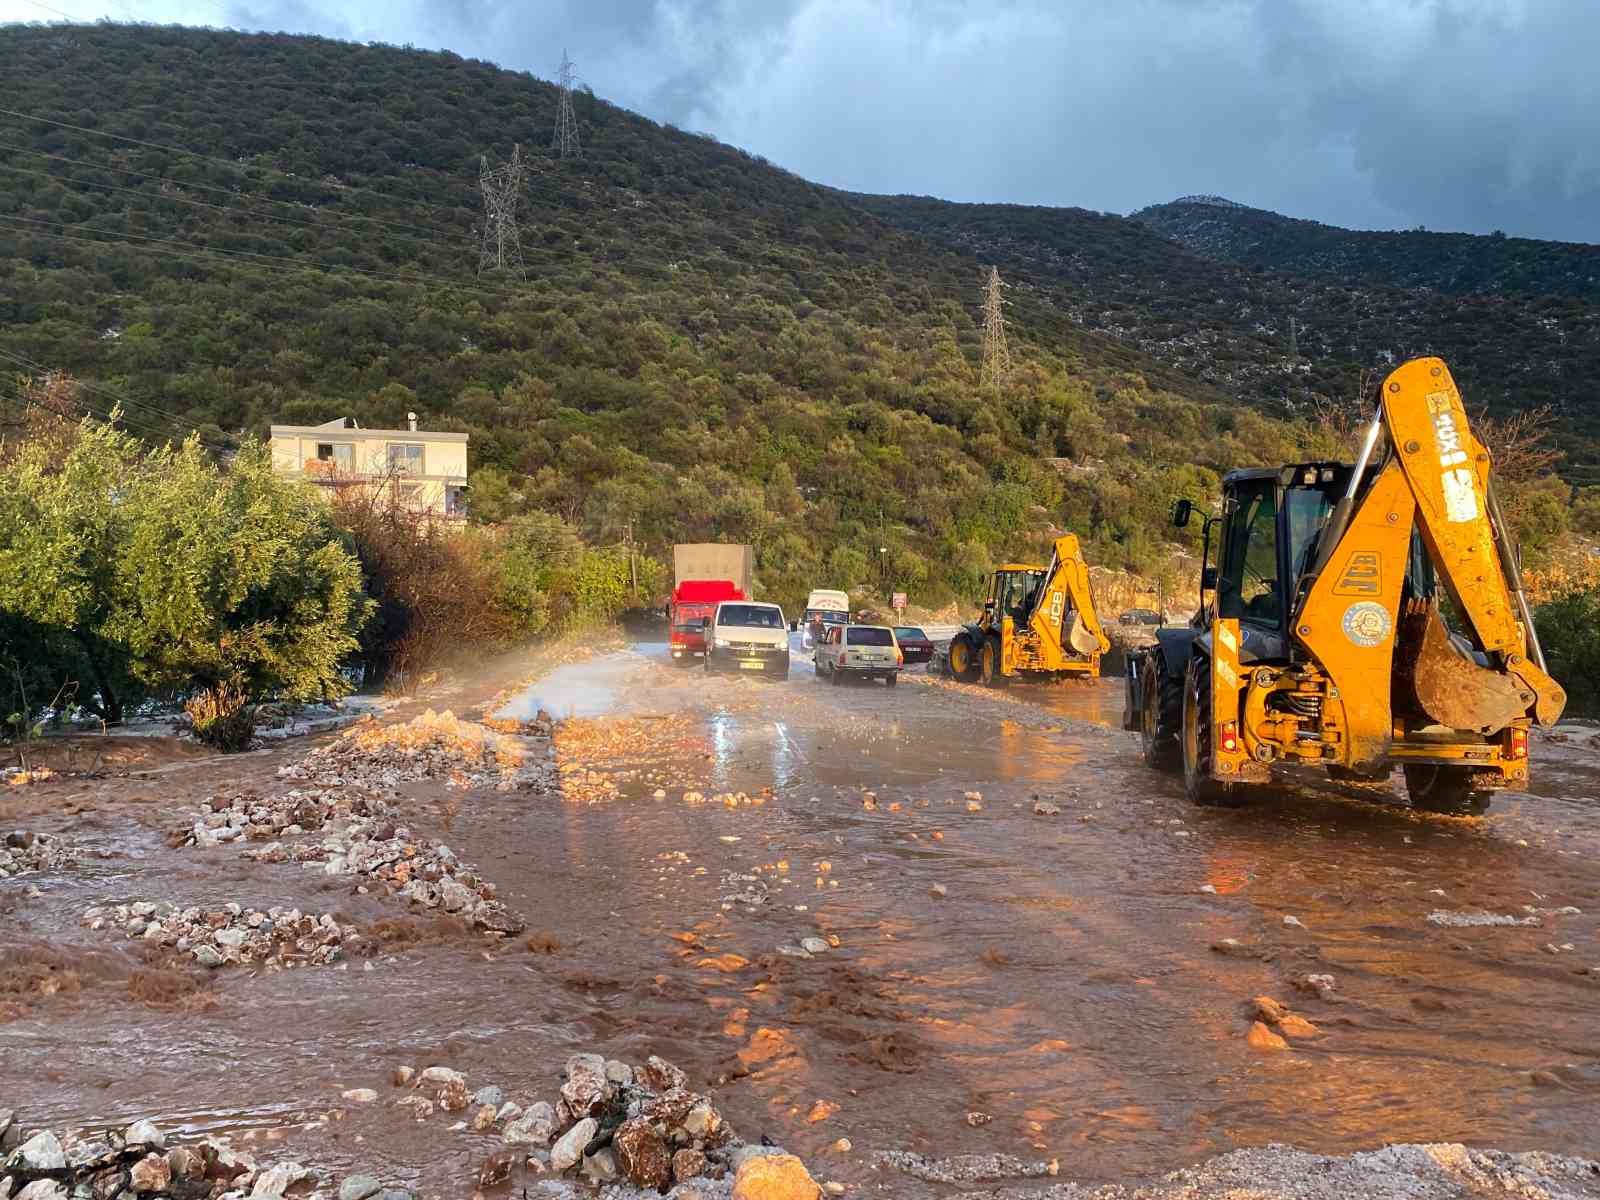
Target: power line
{"type": "Point", "coordinates": [566, 133]}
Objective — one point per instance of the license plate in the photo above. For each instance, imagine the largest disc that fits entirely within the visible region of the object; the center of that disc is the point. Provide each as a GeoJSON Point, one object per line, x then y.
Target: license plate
{"type": "Point", "coordinates": [751, 666]}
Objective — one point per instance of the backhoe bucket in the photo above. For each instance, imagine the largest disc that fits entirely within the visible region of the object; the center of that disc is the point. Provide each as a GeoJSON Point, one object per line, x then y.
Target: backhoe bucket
{"type": "Point", "coordinates": [1080, 639]}
{"type": "Point", "coordinates": [1449, 686]}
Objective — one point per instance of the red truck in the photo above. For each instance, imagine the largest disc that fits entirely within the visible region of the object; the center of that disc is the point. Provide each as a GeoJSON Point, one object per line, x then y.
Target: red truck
{"type": "Point", "coordinates": [704, 574]}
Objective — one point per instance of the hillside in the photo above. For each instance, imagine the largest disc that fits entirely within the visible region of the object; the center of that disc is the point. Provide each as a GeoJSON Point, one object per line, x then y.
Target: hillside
{"type": "Point", "coordinates": [1458, 264]}
{"type": "Point", "coordinates": [1227, 323]}
{"type": "Point", "coordinates": [222, 231]}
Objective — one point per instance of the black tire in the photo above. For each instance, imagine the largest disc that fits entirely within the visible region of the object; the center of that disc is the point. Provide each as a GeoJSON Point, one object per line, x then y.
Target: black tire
{"type": "Point", "coordinates": [989, 667]}
{"type": "Point", "coordinates": [1195, 740]}
{"type": "Point", "coordinates": [891, 680]}
{"type": "Point", "coordinates": [1161, 715]}
{"type": "Point", "coordinates": [963, 658]}
{"type": "Point", "coordinates": [834, 676]}
{"type": "Point", "coordinates": [1445, 790]}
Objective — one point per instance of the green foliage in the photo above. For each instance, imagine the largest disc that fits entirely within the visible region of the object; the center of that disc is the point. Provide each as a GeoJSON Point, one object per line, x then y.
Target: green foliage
{"type": "Point", "coordinates": [1569, 630]}
{"type": "Point", "coordinates": [1585, 513]}
{"type": "Point", "coordinates": [1540, 513]}
{"type": "Point", "coordinates": [167, 572]}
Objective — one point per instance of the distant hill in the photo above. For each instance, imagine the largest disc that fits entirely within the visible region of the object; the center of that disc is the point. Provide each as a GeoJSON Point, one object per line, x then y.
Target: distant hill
{"type": "Point", "coordinates": [1283, 335]}
{"type": "Point", "coordinates": [1459, 264]}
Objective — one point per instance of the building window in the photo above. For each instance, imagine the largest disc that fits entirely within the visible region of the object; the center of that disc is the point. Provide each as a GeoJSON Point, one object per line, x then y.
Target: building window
{"type": "Point", "coordinates": [340, 456]}
{"type": "Point", "coordinates": [455, 500]}
{"type": "Point", "coordinates": [405, 458]}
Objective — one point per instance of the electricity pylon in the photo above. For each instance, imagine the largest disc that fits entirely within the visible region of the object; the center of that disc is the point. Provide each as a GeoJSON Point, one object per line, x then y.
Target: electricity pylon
{"type": "Point", "coordinates": [565, 140]}
{"type": "Point", "coordinates": [502, 190]}
{"type": "Point", "coordinates": [996, 355]}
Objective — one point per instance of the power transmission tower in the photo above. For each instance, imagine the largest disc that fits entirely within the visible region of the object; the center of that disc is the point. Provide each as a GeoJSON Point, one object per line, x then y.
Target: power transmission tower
{"type": "Point", "coordinates": [566, 136]}
{"type": "Point", "coordinates": [502, 190]}
{"type": "Point", "coordinates": [1294, 340]}
{"type": "Point", "coordinates": [996, 355]}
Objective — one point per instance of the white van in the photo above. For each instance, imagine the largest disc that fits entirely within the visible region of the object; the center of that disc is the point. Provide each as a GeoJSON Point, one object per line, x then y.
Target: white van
{"type": "Point", "coordinates": [746, 635]}
{"type": "Point", "coordinates": [824, 609]}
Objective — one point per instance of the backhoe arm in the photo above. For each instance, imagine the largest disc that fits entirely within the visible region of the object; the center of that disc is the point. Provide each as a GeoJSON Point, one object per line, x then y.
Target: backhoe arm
{"type": "Point", "coordinates": [1447, 469]}
{"type": "Point", "coordinates": [1066, 590]}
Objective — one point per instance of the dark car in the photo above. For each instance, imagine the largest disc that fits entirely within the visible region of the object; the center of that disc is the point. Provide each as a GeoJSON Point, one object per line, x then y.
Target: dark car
{"type": "Point", "coordinates": [914, 644]}
{"type": "Point", "coordinates": [1142, 616]}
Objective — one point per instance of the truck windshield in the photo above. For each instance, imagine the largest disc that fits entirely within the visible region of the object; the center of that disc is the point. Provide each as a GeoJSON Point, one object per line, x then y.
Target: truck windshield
{"type": "Point", "coordinates": [690, 616]}
{"type": "Point", "coordinates": [1307, 512]}
{"type": "Point", "coordinates": [869, 637]}
{"type": "Point", "coordinates": [750, 616]}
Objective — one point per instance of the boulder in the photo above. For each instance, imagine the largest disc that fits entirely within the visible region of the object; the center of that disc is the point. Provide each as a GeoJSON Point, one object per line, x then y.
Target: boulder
{"type": "Point", "coordinates": [359, 1187]}
{"type": "Point", "coordinates": [1262, 1038]}
{"type": "Point", "coordinates": [143, 1133]}
{"type": "Point", "coordinates": [774, 1177]}
{"type": "Point", "coordinates": [496, 1169]}
{"type": "Point", "coordinates": [42, 1189]}
{"type": "Point", "coordinates": [535, 1127]}
{"type": "Point", "coordinates": [438, 1075]}
{"type": "Point", "coordinates": [453, 1096]}
{"type": "Point", "coordinates": [150, 1174]}
{"type": "Point", "coordinates": [482, 1120]}
{"type": "Point", "coordinates": [586, 1086]}
{"type": "Point", "coordinates": [658, 1075]}
{"type": "Point", "coordinates": [568, 1151]}
{"type": "Point", "coordinates": [688, 1164]}
{"type": "Point", "coordinates": [41, 1152]}
{"type": "Point", "coordinates": [642, 1154]}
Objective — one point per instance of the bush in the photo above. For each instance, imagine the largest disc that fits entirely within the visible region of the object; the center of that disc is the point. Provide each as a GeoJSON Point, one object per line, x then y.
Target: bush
{"type": "Point", "coordinates": [1569, 630]}
{"type": "Point", "coordinates": [222, 717]}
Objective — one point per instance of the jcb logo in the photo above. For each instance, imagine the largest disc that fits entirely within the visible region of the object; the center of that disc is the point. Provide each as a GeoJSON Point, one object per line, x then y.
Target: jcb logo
{"type": "Point", "coordinates": [1362, 576]}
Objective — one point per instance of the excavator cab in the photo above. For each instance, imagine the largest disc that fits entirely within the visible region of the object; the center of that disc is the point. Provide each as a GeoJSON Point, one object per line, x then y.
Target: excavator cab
{"type": "Point", "coordinates": [1322, 636]}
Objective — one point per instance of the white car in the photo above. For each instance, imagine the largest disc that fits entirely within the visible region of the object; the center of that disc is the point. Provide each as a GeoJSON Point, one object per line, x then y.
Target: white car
{"type": "Point", "coordinates": [865, 651]}
{"type": "Point", "coordinates": [746, 635]}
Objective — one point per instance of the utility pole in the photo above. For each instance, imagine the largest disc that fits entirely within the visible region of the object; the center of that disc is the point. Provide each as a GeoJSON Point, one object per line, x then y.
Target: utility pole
{"type": "Point", "coordinates": [502, 190]}
{"type": "Point", "coordinates": [996, 355]}
{"type": "Point", "coordinates": [566, 136]}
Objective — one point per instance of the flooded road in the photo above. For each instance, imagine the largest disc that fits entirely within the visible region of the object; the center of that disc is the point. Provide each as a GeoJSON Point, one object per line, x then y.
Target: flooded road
{"type": "Point", "coordinates": [1035, 946]}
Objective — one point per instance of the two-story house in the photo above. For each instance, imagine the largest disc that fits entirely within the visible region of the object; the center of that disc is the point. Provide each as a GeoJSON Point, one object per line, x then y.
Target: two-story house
{"type": "Point", "coordinates": [427, 470]}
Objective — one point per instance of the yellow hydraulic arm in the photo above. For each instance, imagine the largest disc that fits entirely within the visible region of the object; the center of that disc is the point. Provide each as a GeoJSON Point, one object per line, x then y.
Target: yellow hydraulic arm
{"type": "Point", "coordinates": [1437, 478]}
{"type": "Point", "coordinates": [1066, 588]}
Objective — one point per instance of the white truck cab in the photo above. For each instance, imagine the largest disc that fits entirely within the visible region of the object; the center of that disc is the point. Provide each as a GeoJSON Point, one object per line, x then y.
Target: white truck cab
{"type": "Point", "coordinates": [747, 635]}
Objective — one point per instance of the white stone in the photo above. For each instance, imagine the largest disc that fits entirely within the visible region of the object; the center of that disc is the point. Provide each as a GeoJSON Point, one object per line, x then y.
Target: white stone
{"type": "Point", "coordinates": [569, 1149]}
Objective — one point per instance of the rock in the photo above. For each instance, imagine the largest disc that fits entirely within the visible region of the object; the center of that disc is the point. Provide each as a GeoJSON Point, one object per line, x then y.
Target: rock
{"type": "Point", "coordinates": [483, 1120]}
{"type": "Point", "coordinates": [509, 1111]}
{"type": "Point", "coordinates": [1263, 1038]}
{"type": "Point", "coordinates": [821, 1111]}
{"type": "Point", "coordinates": [687, 1164]}
{"type": "Point", "coordinates": [567, 1152]}
{"type": "Point", "coordinates": [658, 1075]}
{"type": "Point", "coordinates": [702, 1120]}
{"type": "Point", "coordinates": [143, 1133]}
{"type": "Point", "coordinates": [207, 956]}
{"type": "Point", "coordinates": [491, 1096]}
{"type": "Point", "coordinates": [453, 896]}
{"type": "Point", "coordinates": [978, 1119]}
{"type": "Point", "coordinates": [421, 1107]}
{"type": "Point", "coordinates": [938, 891]}
{"type": "Point", "coordinates": [496, 1169]}
{"type": "Point", "coordinates": [402, 1076]}
{"type": "Point", "coordinates": [642, 1154]}
{"type": "Point", "coordinates": [619, 1073]}
{"type": "Point", "coordinates": [600, 1167]}
{"type": "Point", "coordinates": [42, 1189]}
{"type": "Point", "coordinates": [360, 1095]}
{"type": "Point", "coordinates": [586, 1087]}
{"type": "Point", "coordinates": [534, 1127]}
{"type": "Point", "coordinates": [453, 1096]}
{"type": "Point", "coordinates": [814, 945]}
{"type": "Point", "coordinates": [842, 1146]}
{"type": "Point", "coordinates": [7, 1116]}
{"type": "Point", "coordinates": [1293, 922]}
{"type": "Point", "coordinates": [438, 1075]}
{"type": "Point", "coordinates": [278, 1179]}
{"type": "Point", "coordinates": [41, 1152]}
{"type": "Point", "coordinates": [1297, 1027]}
{"type": "Point", "coordinates": [150, 1174]}
{"type": "Point", "coordinates": [359, 1187]}
{"type": "Point", "coordinates": [1044, 808]}
{"type": "Point", "coordinates": [1269, 1010]}
{"type": "Point", "coordinates": [185, 1162]}
{"type": "Point", "coordinates": [774, 1177]}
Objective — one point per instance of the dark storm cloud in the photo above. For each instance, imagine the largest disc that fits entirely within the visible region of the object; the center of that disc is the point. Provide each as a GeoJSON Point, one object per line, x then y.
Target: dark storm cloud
{"type": "Point", "coordinates": [1468, 114]}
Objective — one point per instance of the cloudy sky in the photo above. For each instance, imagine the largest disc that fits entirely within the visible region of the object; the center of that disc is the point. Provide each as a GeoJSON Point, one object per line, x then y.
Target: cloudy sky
{"type": "Point", "coordinates": [1454, 114]}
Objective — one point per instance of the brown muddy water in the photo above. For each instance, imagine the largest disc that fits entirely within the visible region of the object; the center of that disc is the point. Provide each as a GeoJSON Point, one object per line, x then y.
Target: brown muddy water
{"type": "Point", "coordinates": [1070, 980]}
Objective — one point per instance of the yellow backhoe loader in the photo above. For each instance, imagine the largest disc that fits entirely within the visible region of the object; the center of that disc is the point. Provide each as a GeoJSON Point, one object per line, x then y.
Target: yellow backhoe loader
{"type": "Point", "coordinates": [1322, 636]}
{"type": "Point", "coordinates": [1036, 621]}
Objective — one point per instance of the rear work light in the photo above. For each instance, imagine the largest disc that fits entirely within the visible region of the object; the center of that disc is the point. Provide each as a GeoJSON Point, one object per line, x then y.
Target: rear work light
{"type": "Point", "coordinates": [1519, 743]}
{"type": "Point", "coordinates": [1229, 737]}
{"type": "Point", "coordinates": [900, 657]}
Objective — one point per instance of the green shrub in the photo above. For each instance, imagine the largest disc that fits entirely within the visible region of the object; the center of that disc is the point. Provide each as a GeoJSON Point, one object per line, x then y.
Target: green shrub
{"type": "Point", "coordinates": [1569, 630]}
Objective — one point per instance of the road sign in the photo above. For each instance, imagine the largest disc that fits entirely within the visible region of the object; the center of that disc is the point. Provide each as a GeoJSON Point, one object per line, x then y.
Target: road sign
{"type": "Point", "coordinates": [899, 601]}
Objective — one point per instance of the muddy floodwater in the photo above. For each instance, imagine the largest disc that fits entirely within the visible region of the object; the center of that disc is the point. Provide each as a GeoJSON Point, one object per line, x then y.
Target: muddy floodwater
{"type": "Point", "coordinates": [1036, 946]}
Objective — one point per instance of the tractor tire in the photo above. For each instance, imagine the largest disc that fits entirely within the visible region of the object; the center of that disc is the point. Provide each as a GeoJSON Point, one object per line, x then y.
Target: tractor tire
{"type": "Point", "coordinates": [1161, 715]}
{"type": "Point", "coordinates": [1446, 790]}
{"type": "Point", "coordinates": [891, 680]}
{"type": "Point", "coordinates": [993, 676]}
{"type": "Point", "coordinates": [1198, 784]}
{"type": "Point", "coordinates": [963, 658]}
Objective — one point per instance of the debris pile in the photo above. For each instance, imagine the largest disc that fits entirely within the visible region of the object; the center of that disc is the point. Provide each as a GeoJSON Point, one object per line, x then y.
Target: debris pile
{"type": "Point", "coordinates": [41, 1165]}
{"type": "Point", "coordinates": [277, 937]}
{"type": "Point", "coordinates": [610, 1122]}
{"type": "Point", "coordinates": [246, 815]}
{"type": "Point", "coordinates": [1467, 920]}
{"type": "Point", "coordinates": [599, 756]}
{"type": "Point", "coordinates": [23, 853]}
{"type": "Point", "coordinates": [433, 746]}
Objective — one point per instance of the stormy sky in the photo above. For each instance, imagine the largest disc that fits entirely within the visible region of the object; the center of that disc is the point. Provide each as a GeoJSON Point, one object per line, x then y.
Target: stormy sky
{"type": "Point", "coordinates": [1453, 114]}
